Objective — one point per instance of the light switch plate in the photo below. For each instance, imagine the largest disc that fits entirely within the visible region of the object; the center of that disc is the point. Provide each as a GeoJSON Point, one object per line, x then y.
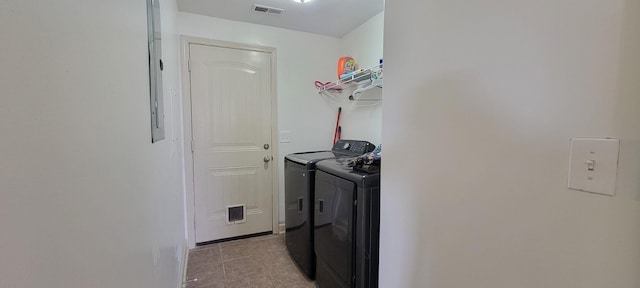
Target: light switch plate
{"type": "Point", "coordinates": [285, 137]}
{"type": "Point", "coordinates": [593, 165]}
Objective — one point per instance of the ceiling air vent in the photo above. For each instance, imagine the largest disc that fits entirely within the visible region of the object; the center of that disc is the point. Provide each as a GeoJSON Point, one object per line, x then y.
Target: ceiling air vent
{"type": "Point", "coordinates": [267, 9]}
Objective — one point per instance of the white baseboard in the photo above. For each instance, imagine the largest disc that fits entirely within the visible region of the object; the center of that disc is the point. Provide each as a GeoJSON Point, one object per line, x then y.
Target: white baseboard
{"type": "Point", "coordinates": [282, 228]}
{"type": "Point", "coordinates": [185, 262]}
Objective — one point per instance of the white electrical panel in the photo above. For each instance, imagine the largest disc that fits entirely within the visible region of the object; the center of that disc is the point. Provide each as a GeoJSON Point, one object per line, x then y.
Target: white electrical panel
{"type": "Point", "coordinates": [593, 165]}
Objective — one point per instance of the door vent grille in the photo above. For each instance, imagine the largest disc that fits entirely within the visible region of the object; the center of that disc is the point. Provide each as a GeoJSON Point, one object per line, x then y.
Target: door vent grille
{"type": "Point", "coordinates": [267, 9]}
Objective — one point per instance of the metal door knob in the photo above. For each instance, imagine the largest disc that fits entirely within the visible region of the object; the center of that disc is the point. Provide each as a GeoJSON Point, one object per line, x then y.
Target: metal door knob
{"type": "Point", "coordinates": [267, 158]}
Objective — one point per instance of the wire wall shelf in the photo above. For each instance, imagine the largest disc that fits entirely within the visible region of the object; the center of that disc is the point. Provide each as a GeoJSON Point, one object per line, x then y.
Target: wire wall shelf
{"type": "Point", "coordinates": [356, 83]}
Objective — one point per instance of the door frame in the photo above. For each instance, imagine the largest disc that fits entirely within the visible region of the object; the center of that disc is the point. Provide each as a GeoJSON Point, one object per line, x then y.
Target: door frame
{"type": "Point", "coordinates": [188, 137]}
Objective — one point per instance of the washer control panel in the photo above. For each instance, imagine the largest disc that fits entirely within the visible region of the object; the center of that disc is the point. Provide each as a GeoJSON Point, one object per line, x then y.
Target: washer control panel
{"type": "Point", "coordinates": [353, 147]}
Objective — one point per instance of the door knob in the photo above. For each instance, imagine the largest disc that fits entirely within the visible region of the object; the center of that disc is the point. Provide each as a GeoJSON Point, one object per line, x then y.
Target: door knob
{"type": "Point", "coordinates": [267, 158]}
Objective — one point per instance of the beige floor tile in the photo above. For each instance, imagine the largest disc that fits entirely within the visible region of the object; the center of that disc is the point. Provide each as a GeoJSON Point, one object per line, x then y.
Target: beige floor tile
{"type": "Point", "coordinates": [214, 285]}
{"type": "Point", "coordinates": [206, 254]}
{"type": "Point", "coordinates": [233, 269]}
{"type": "Point", "coordinates": [207, 274]}
{"type": "Point", "coordinates": [239, 249]}
{"type": "Point", "coordinates": [237, 283]}
{"type": "Point", "coordinates": [259, 262]}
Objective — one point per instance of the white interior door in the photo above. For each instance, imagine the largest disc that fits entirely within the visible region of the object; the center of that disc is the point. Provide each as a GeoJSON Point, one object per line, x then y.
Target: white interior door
{"type": "Point", "coordinates": [231, 130]}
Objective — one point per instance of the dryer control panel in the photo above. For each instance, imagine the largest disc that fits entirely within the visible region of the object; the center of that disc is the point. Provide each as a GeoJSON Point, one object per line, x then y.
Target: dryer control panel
{"type": "Point", "coordinates": [353, 147]}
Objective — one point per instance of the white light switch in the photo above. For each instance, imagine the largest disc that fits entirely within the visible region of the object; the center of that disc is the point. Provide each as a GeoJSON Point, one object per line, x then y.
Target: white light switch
{"type": "Point", "coordinates": [594, 165]}
{"type": "Point", "coordinates": [285, 137]}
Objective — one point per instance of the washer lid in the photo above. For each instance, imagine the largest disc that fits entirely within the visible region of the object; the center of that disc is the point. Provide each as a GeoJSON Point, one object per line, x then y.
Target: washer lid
{"type": "Point", "coordinates": [305, 158]}
{"type": "Point", "coordinates": [337, 167]}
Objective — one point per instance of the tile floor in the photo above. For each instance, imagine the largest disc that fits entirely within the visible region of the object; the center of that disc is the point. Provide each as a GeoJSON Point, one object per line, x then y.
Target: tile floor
{"type": "Point", "coordinates": [254, 262]}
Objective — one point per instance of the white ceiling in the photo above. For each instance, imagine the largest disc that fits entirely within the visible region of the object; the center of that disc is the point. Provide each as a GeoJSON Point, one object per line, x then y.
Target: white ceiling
{"type": "Point", "coordinates": [328, 17]}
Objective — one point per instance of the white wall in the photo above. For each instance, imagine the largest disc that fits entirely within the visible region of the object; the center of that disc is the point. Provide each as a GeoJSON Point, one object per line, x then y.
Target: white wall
{"type": "Point", "coordinates": [85, 198]}
{"type": "Point", "coordinates": [363, 120]}
{"type": "Point", "coordinates": [302, 59]}
{"type": "Point", "coordinates": [486, 95]}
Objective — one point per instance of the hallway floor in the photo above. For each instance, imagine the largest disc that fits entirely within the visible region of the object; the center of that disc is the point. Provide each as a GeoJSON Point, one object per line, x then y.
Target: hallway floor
{"type": "Point", "coordinates": [254, 262]}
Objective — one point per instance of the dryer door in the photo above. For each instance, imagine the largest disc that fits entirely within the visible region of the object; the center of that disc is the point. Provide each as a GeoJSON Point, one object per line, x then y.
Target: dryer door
{"type": "Point", "coordinates": [334, 230]}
